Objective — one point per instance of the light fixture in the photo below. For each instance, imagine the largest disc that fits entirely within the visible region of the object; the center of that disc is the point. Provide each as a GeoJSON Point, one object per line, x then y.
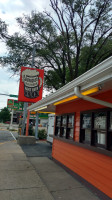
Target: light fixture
{"type": "Point", "coordinates": [41, 108]}
{"type": "Point", "coordinates": [46, 112]}
{"type": "Point", "coordinates": [92, 90]}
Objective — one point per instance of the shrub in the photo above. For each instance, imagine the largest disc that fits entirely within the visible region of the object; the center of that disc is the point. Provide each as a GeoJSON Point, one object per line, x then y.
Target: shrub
{"type": "Point", "coordinates": [42, 134]}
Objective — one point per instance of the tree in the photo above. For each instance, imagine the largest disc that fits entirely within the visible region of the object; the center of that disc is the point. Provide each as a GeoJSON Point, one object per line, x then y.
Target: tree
{"type": "Point", "coordinates": [5, 115]}
{"type": "Point", "coordinates": [39, 35]}
{"type": "Point", "coordinates": [89, 23]}
{"type": "Point", "coordinates": [101, 55]}
{"type": "Point", "coordinates": [66, 44]}
{"type": "Point", "coordinates": [3, 30]}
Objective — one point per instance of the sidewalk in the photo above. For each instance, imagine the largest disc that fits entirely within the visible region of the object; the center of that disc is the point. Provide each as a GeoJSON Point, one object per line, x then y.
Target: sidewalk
{"type": "Point", "coordinates": [36, 178]}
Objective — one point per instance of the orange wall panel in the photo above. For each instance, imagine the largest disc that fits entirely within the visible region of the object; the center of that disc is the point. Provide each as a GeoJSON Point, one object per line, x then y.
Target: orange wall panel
{"type": "Point", "coordinates": [93, 167]}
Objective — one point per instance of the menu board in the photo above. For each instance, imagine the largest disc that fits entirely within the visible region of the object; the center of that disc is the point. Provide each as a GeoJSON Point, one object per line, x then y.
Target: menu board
{"type": "Point", "coordinates": [100, 120]}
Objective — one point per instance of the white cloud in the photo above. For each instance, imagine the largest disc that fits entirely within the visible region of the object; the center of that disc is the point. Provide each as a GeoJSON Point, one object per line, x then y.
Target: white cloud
{"type": "Point", "coordinates": [8, 85]}
{"type": "Point", "coordinates": [9, 11]}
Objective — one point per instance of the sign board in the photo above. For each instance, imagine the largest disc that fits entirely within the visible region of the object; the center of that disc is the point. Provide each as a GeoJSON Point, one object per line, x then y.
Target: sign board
{"type": "Point", "coordinates": [41, 115]}
{"type": "Point", "coordinates": [31, 84]}
{"type": "Point", "coordinates": [10, 103]}
{"type": "Point", "coordinates": [14, 104]}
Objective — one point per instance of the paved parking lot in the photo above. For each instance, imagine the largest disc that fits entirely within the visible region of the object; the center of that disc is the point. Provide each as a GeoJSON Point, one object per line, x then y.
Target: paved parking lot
{"type": "Point", "coordinates": [6, 135]}
{"type": "Point", "coordinates": [40, 149]}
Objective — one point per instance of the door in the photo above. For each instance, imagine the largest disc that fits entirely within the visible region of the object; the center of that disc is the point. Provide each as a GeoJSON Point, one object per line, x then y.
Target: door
{"type": "Point", "coordinates": [50, 130]}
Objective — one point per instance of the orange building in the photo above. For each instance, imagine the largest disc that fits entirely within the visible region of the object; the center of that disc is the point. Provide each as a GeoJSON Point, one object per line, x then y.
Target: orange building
{"type": "Point", "coordinates": [83, 126]}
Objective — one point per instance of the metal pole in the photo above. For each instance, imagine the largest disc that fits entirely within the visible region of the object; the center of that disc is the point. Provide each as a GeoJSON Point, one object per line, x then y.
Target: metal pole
{"type": "Point", "coordinates": [11, 118]}
{"type": "Point", "coordinates": [37, 115]}
{"type": "Point", "coordinates": [24, 117]}
{"type": "Point", "coordinates": [36, 126]}
{"type": "Point", "coordinates": [26, 104]}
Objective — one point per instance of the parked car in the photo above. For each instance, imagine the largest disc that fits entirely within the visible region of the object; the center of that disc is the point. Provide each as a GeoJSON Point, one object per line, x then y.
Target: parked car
{"type": "Point", "coordinates": [8, 122]}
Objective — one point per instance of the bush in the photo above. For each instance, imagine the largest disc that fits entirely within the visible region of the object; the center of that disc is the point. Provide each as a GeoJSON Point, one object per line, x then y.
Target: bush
{"type": "Point", "coordinates": [42, 134]}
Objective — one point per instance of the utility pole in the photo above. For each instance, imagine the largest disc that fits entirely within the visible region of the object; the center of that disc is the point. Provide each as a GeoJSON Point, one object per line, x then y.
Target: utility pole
{"type": "Point", "coordinates": [10, 127]}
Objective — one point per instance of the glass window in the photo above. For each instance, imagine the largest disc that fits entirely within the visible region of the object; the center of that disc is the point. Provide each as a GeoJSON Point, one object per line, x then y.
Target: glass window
{"type": "Point", "coordinates": [63, 132]}
{"type": "Point", "coordinates": [96, 128]}
{"type": "Point", "coordinates": [100, 138]}
{"type": "Point", "coordinates": [110, 120]}
{"type": "Point", "coordinates": [100, 120]}
{"type": "Point", "coordinates": [87, 135]}
{"type": "Point", "coordinates": [71, 121]}
{"type": "Point", "coordinates": [65, 126]}
{"type": "Point", "coordinates": [58, 120]}
{"type": "Point", "coordinates": [86, 121]}
{"type": "Point", "coordinates": [64, 120]}
{"type": "Point", "coordinates": [57, 131]}
{"type": "Point", "coordinates": [69, 134]}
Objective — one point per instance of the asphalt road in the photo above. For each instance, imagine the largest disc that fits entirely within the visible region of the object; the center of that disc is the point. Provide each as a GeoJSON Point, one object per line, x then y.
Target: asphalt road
{"type": "Point", "coordinates": [40, 149]}
{"type": "Point", "coordinates": [6, 136]}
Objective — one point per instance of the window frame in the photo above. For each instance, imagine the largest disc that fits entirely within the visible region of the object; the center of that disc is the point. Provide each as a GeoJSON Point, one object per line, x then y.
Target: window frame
{"type": "Point", "coordinates": [64, 127]}
{"type": "Point", "coordinates": [107, 131]}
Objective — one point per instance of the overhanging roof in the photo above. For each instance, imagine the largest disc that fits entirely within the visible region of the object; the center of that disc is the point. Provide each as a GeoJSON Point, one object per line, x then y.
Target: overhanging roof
{"type": "Point", "coordinates": [99, 75]}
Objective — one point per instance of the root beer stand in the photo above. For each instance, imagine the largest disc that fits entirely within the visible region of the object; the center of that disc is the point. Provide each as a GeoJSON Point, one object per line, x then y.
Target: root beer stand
{"type": "Point", "coordinates": [83, 127]}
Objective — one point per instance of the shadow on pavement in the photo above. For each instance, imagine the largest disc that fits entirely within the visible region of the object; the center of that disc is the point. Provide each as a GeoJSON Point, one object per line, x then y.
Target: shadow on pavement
{"type": "Point", "coordinates": [40, 149]}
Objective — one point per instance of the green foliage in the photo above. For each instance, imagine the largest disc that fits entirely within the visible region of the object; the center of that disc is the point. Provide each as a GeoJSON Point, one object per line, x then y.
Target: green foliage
{"type": "Point", "coordinates": [3, 29]}
{"type": "Point", "coordinates": [75, 38]}
{"type": "Point", "coordinates": [5, 115]}
{"type": "Point", "coordinates": [102, 54]}
{"type": "Point", "coordinates": [42, 134]}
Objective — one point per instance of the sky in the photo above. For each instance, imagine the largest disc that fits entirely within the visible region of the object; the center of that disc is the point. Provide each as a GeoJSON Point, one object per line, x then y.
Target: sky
{"type": "Point", "coordinates": [9, 11]}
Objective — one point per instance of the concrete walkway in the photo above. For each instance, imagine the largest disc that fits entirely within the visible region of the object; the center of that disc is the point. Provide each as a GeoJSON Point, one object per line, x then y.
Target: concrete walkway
{"type": "Point", "coordinates": [36, 178]}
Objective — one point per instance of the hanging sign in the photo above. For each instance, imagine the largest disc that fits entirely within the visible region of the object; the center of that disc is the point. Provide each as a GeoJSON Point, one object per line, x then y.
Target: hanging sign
{"type": "Point", "coordinates": [31, 84]}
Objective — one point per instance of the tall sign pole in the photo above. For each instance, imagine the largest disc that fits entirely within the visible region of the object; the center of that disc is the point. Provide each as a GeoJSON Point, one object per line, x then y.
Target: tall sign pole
{"type": "Point", "coordinates": [25, 117]}
{"type": "Point", "coordinates": [28, 112]}
{"type": "Point", "coordinates": [30, 88]}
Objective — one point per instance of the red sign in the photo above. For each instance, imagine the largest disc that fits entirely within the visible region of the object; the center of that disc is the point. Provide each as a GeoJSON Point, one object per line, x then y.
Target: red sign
{"type": "Point", "coordinates": [31, 84]}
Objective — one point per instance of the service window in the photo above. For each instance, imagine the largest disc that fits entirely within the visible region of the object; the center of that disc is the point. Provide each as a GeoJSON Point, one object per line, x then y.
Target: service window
{"type": "Point", "coordinates": [96, 128]}
{"type": "Point", "coordinates": [65, 126]}
{"type": "Point", "coordinates": [85, 136]}
{"type": "Point", "coordinates": [100, 120]}
{"type": "Point", "coordinates": [58, 123]}
{"type": "Point", "coordinates": [70, 127]}
{"type": "Point", "coordinates": [109, 136]}
{"type": "Point", "coordinates": [110, 127]}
